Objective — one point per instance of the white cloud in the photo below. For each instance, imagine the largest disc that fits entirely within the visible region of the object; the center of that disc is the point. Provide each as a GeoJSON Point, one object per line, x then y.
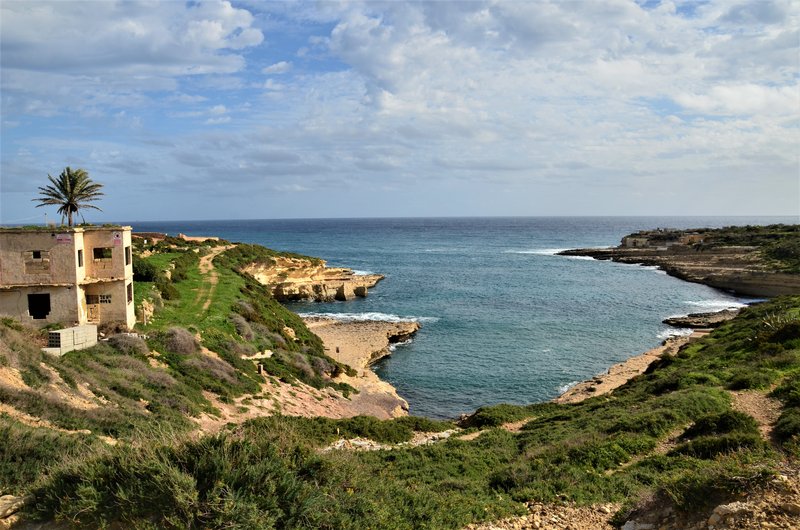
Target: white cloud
{"type": "Point", "coordinates": [277, 68]}
{"type": "Point", "coordinates": [614, 97]}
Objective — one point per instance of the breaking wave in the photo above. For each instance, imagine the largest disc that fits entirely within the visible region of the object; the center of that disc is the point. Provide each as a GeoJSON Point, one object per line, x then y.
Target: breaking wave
{"type": "Point", "coordinates": [368, 317]}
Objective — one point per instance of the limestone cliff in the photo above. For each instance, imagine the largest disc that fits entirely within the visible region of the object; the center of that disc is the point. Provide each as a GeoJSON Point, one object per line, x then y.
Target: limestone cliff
{"type": "Point", "coordinates": [739, 269]}
{"type": "Point", "coordinates": [295, 279]}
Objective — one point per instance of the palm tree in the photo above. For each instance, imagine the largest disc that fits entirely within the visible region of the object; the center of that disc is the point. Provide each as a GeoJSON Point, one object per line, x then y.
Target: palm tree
{"type": "Point", "coordinates": [71, 192]}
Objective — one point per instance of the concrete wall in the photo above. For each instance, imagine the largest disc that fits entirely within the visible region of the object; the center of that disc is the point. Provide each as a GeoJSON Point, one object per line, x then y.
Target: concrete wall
{"type": "Point", "coordinates": [114, 267]}
{"type": "Point", "coordinates": [57, 265]}
{"type": "Point", "coordinates": [76, 338]}
{"type": "Point", "coordinates": [65, 305]}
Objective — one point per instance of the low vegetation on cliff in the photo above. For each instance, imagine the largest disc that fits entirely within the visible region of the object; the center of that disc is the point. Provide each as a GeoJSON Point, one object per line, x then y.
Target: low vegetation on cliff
{"type": "Point", "coordinates": [672, 432]}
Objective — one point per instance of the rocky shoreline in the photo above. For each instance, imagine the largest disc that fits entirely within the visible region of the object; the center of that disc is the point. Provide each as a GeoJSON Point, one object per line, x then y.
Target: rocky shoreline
{"type": "Point", "coordinates": [738, 269]}
{"type": "Point", "coordinates": [297, 279]}
{"type": "Point", "coordinates": [359, 344]}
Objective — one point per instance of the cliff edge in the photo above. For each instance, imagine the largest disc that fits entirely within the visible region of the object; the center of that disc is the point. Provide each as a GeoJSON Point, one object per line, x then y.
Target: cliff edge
{"type": "Point", "coordinates": [295, 279]}
{"type": "Point", "coordinates": [755, 262]}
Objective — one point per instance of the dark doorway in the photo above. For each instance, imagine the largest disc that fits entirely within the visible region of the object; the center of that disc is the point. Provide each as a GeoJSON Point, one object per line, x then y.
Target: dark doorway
{"type": "Point", "coordinates": [39, 305]}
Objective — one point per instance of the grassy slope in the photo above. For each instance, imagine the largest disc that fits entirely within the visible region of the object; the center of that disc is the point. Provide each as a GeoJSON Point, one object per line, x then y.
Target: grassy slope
{"type": "Point", "coordinates": [267, 473]}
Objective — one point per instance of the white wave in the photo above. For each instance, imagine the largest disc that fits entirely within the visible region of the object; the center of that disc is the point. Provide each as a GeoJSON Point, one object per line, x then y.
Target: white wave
{"type": "Point", "coordinates": [368, 317]}
{"type": "Point", "coordinates": [547, 252]}
{"type": "Point", "coordinates": [393, 346]}
{"type": "Point", "coordinates": [715, 305]}
{"type": "Point", "coordinates": [675, 332]}
{"type": "Point", "coordinates": [362, 273]}
{"type": "Point", "coordinates": [564, 388]}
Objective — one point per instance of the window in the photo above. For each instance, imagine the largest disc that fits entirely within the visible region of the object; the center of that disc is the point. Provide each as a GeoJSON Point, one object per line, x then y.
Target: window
{"type": "Point", "coordinates": [92, 299]}
{"type": "Point", "coordinates": [130, 293]}
{"type": "Point", "coordinates": [127, 255]}
{"type": "Point", "coordinates": [80, 257]}
{"type": "Point", "coordinates": [39, 305]}
{"type": "Point", "coordinates": [36, 261]}
{"type": "Point", "coordinates": [105, 298]}
{"type": "Point", "coordinates": [101, 252]}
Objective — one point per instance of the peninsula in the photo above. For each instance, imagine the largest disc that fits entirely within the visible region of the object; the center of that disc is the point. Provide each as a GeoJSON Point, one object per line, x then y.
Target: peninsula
{"type": "Point", "coordinates": [751, 260]}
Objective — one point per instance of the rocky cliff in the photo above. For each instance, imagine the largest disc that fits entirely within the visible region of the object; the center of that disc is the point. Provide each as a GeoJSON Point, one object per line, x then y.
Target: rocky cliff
{"type": "Point", "coordinates": [739, 269]}
{"type": "Point", "coordinates": [294, 279]}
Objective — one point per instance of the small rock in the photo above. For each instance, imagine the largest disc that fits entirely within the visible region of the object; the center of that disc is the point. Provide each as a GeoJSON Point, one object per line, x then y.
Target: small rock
{"type": "Point", "coordinates": [10, 505]}
{"type": "Point", "coordinates": [791, 507]}
{"type": "Point", "coordinates": [723, 510]}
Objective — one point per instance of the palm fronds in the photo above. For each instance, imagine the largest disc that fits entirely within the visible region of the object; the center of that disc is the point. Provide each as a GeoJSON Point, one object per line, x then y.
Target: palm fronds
{"type": "Point", "coordinates": [71, 192]}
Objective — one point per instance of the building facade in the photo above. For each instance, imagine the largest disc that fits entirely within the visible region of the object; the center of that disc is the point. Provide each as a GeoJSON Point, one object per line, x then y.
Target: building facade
{"type": "Point", "coordinates": [70, 276]}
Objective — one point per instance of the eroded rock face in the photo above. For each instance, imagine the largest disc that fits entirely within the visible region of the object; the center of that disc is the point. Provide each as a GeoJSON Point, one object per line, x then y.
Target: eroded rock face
{"type": "Point", "coordinates": [737, 269]}
{"type": "Point", "coordinates": [294, 279]}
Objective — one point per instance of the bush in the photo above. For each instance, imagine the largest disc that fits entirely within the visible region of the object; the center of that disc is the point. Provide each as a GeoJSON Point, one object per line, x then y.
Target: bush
{"type": "Point", "coordinates": [787, 427]}
{"type": "Point", "coordinates": [748, 379]}
{"type": "Point", "coordinates": [129, 345]}
{"type": "Point", "coordinates": [723, 423]}
{"type": "Point", "coordinates": [144, 271]}
{"type": "Point", "coordinates": [710, 446]}
{"type": "Point", "coordinates": [179, 340]}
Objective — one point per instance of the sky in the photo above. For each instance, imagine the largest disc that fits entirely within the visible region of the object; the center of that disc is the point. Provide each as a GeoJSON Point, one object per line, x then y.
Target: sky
{"type": "Point", "coordinates": [260, 110]}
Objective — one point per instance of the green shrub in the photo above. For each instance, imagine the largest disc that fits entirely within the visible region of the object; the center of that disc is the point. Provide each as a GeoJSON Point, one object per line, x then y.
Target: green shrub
{"type": "Point", "coordinates": [710, 446]}
{"type": "Point", "coordinates": [144, 271]}
{"type": "Point", "coordinates": [787, 428]}
{"type": "Point", "coordinates": [747, 379]}
{"type": "Point", "coordinates": [722, 423]}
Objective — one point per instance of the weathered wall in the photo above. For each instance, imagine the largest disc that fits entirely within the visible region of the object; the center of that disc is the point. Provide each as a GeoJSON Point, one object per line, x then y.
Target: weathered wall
{"type": "Point", "coordinates": [57, 264]}
{"type": "Point", "coordinates": [117, 241]}
{"type": "Point", "coordinates": [65, 303]}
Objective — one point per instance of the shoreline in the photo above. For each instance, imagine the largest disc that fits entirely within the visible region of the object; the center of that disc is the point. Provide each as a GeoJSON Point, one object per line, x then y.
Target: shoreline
{"type": "Point", "coordinates": [618, 374]}
{"type": "Point", "coordinates": [358, 345]}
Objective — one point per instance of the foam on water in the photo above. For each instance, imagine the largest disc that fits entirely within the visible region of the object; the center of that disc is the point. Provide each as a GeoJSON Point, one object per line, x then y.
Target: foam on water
{"type": "Point", "coordinates": [368, 317]}
{"type": "Point", "coordinates": [563, 389]}
{"type": "Point", "coordinates": [393, 346]}
{"type": "Point", "coordinates": [715, 305]}
{"type": "Point", "coordinates": [547, 252]}
{"type": "Point", "coordinates": [362, 273]}
{"type": "Point", "coordinates": [674, 332]}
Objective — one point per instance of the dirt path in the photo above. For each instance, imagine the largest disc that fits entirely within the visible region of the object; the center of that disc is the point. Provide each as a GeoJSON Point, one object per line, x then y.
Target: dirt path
{"type": "Point", "coordinates": [206, 266]}
{"type": "Point", "coordinates": [764, 409]}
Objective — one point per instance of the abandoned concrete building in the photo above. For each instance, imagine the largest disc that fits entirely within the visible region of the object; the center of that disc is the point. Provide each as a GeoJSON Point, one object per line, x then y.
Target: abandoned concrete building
{"type": "Point", "coordinates": [70, 276]}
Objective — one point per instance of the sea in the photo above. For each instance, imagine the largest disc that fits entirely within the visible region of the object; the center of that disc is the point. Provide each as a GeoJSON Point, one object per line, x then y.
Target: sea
{"type": "Point", "coordinates": [504, 318]}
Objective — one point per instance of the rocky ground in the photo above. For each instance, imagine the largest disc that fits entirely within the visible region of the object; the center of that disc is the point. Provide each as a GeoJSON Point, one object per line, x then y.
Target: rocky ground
{"type": "Point", "coordinates": [301, 279]}
{"type": "Point", "coordinates": [738, 269]}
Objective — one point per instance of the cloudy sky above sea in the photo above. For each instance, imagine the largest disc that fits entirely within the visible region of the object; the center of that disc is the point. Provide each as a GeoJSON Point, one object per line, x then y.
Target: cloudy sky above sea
{"type": "Point", "coordinates": [251, 109]}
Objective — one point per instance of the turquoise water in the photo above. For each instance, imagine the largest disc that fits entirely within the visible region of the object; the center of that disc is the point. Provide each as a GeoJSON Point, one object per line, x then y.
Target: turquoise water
{"type": "Point", "coordinates": [503, 318]}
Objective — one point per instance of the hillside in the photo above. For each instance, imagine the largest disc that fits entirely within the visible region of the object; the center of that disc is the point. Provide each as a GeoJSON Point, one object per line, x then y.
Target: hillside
{"type": "Point", "coordinates": [112, 435]}
{"type": "Point", "coordinates": [750, 260]}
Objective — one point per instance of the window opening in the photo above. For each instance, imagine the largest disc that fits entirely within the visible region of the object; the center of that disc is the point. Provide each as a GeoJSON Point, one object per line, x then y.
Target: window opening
{"type": "Point", "coordinates": [39, 305]}
{"type": "Point", "coordinates": [130, 293]}
{"type": "Point", "coordinates": [127, 255]}
{"type": "Point", "coordinates": [37, 254]}
{"type": "Point", "coordinates": [80, 257]}
{"type": "Point", "coordinates": [101, 253]}
{"type": "Point", "coordinates": [105, 298]}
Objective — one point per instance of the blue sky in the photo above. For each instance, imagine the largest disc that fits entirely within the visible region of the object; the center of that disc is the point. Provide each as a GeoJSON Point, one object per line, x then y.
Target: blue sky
{"type": "Point", "coordinates": [225, 110]}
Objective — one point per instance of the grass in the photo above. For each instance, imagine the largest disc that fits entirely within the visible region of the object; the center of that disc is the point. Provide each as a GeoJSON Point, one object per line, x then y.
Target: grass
{"type": "Point", "coordinates": [268, 472]}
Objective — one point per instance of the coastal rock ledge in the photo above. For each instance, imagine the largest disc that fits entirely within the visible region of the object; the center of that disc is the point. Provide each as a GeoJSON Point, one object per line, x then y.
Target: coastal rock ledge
{"type": "Point", "coordinates": [297, 279]}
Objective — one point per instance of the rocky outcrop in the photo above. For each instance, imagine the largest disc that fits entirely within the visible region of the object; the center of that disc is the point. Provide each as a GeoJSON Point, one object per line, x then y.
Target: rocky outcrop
{"type": "Point", "coordinates": [296, 279]}
{"type": "Point", "coordinates": [702, 320]}
{"type": "Point", "coordinates": [738, 269]}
